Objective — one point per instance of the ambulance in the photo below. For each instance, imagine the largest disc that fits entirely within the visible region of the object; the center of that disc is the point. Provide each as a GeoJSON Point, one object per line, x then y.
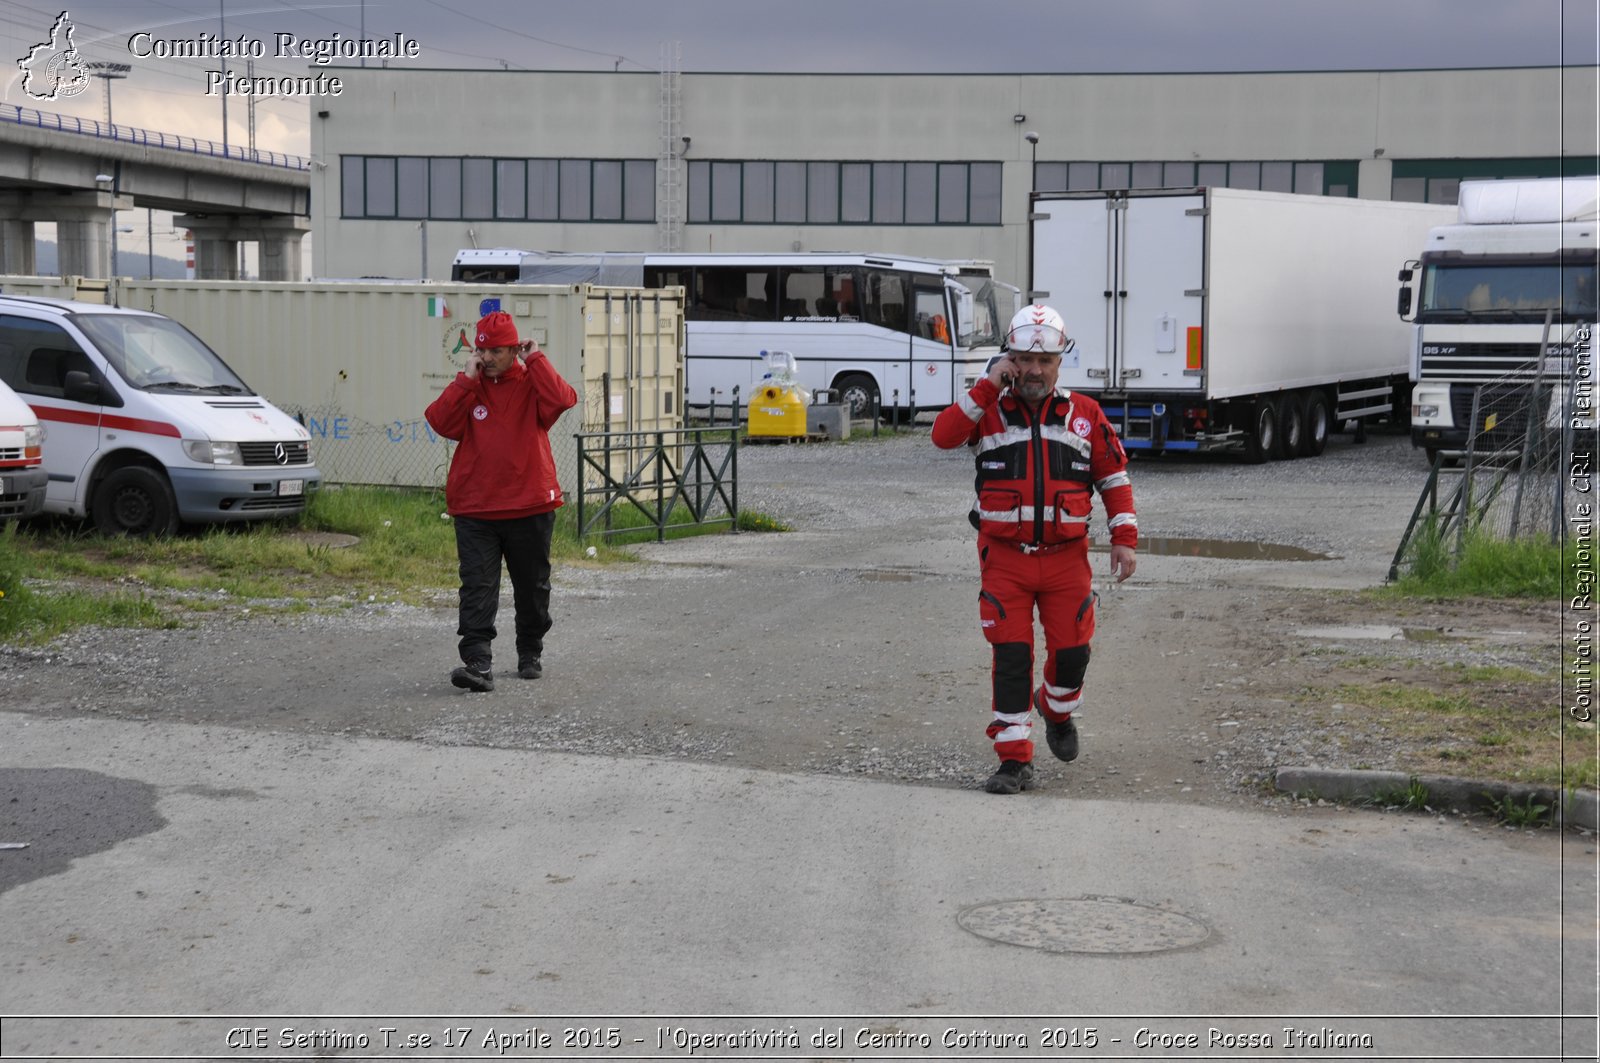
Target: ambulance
{"type": "Point", "coordinates": [145, 427]}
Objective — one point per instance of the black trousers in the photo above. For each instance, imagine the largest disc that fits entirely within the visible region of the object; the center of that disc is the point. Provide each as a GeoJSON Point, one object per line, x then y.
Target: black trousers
{"type": "Point", "coordinates": [524, 545]}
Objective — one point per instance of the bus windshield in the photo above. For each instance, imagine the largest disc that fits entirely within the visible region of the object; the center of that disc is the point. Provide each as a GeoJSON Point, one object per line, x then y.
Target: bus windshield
{"type": "Point", "coordinates": [983, 308]}
{"type": "Point", "coordinates": [1508, 290]}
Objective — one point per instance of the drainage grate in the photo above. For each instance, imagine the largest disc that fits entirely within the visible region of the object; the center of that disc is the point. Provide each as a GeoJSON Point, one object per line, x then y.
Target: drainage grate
{"type": "Point", "coordinates": [1107, 925]}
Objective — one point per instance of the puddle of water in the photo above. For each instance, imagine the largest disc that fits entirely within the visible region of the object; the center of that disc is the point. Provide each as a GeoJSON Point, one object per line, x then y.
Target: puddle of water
{"type": "Point", "coordinates": [1229, 549]}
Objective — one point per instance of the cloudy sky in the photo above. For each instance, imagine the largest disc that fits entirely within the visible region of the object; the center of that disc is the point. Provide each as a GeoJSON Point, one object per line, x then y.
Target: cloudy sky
{"type": "Point", "coordinates": [953, 36]}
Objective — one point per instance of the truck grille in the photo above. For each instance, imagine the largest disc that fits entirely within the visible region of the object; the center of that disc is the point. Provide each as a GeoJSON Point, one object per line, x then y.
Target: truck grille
{"type": "Point", "coordinates": [1486, 361]}
{"type": "Point", "coordinates": [1505, 408]}
{"type": "Point", "coordinates": [295, 453]}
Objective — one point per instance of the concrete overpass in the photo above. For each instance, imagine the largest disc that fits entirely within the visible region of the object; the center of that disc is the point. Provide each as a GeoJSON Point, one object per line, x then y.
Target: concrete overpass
{"type": "Point", "coordinates": [77, 173]}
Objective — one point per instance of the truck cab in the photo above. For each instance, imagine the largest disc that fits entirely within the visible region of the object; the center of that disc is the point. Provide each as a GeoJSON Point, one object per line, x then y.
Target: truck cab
{"type": "Point", "coordinates": [147, 427]}
{"type": "Point", "coordinates": [1505, 297]}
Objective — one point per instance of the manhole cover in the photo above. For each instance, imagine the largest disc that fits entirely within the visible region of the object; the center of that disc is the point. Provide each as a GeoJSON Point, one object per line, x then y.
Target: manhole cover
{"type": "Point", "coordinates": [330, 540]}
{"type": "Point", "coordinates": [1084, 924]}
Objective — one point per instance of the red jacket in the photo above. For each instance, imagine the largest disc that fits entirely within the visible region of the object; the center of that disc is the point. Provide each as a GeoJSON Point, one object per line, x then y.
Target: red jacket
{"type": "Point", "coordinates": [1036, 471]}
{"type": "Point", "coordinates": [503, 467]}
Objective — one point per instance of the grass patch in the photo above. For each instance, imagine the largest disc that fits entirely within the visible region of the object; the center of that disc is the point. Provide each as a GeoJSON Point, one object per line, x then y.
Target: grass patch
{"type": "Point", "coordinates": [353, 543]}
{"type": "Point", "coordinates": [1492, 722]}
{"type": "Point", "coordinates": [1485, 567]}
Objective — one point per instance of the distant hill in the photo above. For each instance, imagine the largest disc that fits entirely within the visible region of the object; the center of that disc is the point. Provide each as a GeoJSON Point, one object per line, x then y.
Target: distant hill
{"type": "Point", "coordinates": [129, 263]}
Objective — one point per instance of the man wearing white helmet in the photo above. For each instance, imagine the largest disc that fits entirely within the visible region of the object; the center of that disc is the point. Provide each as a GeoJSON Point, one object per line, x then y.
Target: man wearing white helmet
{"type": "Point", "coordinates": [1041, 455]}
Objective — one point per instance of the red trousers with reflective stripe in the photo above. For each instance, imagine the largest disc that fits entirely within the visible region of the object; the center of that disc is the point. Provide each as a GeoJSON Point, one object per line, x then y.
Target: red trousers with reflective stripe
{"type": "Point", "coordinates": [1060, 587]}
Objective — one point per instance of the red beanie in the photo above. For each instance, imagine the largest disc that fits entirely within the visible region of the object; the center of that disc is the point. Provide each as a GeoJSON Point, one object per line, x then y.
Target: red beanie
{"type": "Point", "coordinates": [497, 330]}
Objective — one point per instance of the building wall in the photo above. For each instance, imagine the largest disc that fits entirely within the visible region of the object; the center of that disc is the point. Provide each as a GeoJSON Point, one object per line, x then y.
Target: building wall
{"type": "Point", "coordinates": [1368, 119]}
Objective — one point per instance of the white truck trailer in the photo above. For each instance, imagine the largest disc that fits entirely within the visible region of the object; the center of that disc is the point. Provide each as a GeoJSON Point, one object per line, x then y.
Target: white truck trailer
{"type": "Point", "coordinates": [1225, 319]}
{"type": "Point", "coordinates": [1519, 252]}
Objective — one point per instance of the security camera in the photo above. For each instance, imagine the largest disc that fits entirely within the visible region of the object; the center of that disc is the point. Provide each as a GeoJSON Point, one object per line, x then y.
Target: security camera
{"type": "Point", "coordinates": [686, 143]}
{"type": "Point", "coordinates": [1031, 137]}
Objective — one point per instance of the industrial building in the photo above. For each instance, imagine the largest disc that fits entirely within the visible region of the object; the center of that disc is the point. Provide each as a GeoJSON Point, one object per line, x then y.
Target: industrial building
{"type": "Point", "coordinates": [412, 165]}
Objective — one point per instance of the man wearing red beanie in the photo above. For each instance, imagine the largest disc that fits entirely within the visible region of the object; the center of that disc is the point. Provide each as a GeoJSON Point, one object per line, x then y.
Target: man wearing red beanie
{"type": "Point", "coordinates": [502, 491]}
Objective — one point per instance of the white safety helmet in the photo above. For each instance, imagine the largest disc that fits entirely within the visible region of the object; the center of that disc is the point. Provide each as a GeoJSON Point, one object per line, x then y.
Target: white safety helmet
{"type": "Point", "coordinates": [1038, 328]}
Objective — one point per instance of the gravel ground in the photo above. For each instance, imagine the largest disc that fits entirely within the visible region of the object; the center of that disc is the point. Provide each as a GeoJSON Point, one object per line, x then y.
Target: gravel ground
{"type": "Point", "coordinates": [848, 645]}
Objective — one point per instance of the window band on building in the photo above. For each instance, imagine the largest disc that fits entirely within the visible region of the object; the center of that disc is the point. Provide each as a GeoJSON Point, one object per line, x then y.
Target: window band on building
{"type": "Point", "coordinates": [511, 189]}
{"type": "Point", "coordinates": [779, 192]}
{"type": "Point", "coordinates": [1439, 180]}
{"type": "Point", "coordinates": [1317, 178]}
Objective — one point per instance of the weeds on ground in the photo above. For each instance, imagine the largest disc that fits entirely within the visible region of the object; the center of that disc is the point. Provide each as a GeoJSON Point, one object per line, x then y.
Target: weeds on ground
{"type": "Point", "coordinates": [1484, 567]}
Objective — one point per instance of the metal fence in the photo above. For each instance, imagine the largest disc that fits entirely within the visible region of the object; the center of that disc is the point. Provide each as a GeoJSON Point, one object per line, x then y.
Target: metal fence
{"type": "Point", "coordinates": [1513, 480]}
{"type": "Point", "coordinates": [661, 480]}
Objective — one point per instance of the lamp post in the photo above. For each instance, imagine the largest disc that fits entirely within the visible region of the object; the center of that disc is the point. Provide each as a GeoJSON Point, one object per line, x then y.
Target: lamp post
{"type": "Point", "coordinates": [107, 73]}
{"type": "Point", "coordinates": [1033, 173]}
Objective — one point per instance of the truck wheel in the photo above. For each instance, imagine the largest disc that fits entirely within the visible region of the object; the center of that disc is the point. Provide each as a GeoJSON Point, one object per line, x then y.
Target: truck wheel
{"type": "Point", "coordinates": [135, 501]}
{"type": "Point", "coordinates": [857, 391]}
{"type": "Point", "coordinates": [1314, 439]}
{"type": "Point", "coordinates": [1291, 426]}
{"type": "Point", "coordinates": [1261, 434]}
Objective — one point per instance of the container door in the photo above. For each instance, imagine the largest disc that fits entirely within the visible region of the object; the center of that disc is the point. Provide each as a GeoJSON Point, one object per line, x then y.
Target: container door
{"type": "Point", "coordinates": [1160, 262]}
{"type": "Point", "coordinates": [1074, 265]}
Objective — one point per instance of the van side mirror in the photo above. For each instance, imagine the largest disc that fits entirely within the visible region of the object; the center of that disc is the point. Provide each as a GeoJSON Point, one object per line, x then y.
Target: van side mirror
{"type": "Point", "coordinates": [81, 387]}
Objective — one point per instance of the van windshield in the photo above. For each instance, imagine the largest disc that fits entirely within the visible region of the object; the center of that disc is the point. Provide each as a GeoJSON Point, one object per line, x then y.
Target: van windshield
{"type": "Point", "coordinates": [158, 354]}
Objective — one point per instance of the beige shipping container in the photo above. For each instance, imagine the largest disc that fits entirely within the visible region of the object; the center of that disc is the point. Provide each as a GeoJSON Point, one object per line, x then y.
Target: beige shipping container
{"type": "Point", "coordinates": [358, 362]}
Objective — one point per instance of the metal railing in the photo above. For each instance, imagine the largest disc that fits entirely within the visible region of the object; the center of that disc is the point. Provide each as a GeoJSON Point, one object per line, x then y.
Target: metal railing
{"type": "Point", "coordinates": [666, 475]}
{"type": "Point", "coordinates": [10, 112]}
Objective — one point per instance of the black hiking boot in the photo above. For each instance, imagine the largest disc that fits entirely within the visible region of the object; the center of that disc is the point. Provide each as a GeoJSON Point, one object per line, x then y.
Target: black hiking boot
{"type": "Point", "coordinates": [475, 677]}
{"type": "Point", "coordinates": [530, 668]}
{"type": "Point", "coordinates": [1062, 739]}
{"type": "Point", "coordinates": [1013, 776]}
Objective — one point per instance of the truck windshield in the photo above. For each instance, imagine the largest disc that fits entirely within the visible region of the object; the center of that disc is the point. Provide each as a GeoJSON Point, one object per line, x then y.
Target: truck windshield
{"type": "Point", "coordinates": [1508, 291]}
{"type": "Point", "coordinates": [158, 354]}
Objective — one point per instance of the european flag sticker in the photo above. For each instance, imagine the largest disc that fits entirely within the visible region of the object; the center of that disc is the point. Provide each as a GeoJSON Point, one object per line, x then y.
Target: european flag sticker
{"type": "Point", "coordinates": [488, 306]}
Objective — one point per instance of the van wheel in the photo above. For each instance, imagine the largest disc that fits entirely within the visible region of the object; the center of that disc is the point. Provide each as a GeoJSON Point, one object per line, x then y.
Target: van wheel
{"type": "Point", "coordinates": [1261, 434]}
{"type": "Point", "coordinates": [857, 391]}
{"type": "Point", "coordinates": [1318, 423]}
{"type": "Point", "coordinates": [135, 501]}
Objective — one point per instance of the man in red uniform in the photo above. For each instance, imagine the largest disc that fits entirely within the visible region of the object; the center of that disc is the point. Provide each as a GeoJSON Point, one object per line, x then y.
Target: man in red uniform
{"type": "Point", "coordinates": [502, 491]}
{"type": "Point", "coordinates": [1040, 454]}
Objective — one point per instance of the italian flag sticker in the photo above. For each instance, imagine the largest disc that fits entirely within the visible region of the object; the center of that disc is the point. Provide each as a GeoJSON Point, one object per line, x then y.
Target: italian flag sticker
{"type": "Point", "coordinates": [436, 307]}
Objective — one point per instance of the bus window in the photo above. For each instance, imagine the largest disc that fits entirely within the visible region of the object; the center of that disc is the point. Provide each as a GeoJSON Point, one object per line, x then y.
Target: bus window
{"type": "Point", "coordinates": [734, 293]}
{"type": "Point", "coordinates": [824, 293]}
{"type": "Point", "coordinates": [886, 299]}
{"type": "Point", "coordinates": [930, 317]}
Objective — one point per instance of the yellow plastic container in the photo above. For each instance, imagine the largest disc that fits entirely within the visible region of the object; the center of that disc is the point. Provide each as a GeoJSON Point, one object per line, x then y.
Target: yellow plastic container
{"type": "Point", "coordinates": [777, 410]}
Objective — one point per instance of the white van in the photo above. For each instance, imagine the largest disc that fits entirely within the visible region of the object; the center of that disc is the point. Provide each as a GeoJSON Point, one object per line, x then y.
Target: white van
{"type": "Point", "coordinates": [145, 426]}
{"type": "Point", "coordinates": [22, 475]}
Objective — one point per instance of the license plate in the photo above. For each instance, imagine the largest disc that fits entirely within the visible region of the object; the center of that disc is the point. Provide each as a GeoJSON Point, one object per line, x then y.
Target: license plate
{"type": "Point", "coordinates": [291, 487]}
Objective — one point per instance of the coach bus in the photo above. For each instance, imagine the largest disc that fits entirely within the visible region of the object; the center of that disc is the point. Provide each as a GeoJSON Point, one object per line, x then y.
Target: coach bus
{"type": "Point", "coordinates": [906, 333]}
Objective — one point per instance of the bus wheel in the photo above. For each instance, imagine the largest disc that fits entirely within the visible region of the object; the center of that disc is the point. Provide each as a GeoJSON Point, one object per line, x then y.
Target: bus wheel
{"type": "Point", "coordinates": [857, 391]}
{"type": "Point", "coordinates": [135, 501]}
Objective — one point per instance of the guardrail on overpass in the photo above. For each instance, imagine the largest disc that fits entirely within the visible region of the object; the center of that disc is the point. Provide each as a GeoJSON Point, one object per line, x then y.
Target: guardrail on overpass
{"type": "Point", "coordinates": [10, 112]}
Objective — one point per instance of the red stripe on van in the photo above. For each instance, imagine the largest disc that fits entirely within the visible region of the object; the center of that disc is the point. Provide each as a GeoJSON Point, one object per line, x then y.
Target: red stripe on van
{"type": "Point", "coordinates": [109, 420]}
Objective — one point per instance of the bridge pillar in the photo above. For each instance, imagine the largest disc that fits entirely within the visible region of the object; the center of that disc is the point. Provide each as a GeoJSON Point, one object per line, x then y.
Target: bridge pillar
{"type": "Point", "coordinates": [83, 230]}
{"type": "Point", "coordinates": [217, 238]}
{"type": "Point", "coordinates": [16, 246]}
